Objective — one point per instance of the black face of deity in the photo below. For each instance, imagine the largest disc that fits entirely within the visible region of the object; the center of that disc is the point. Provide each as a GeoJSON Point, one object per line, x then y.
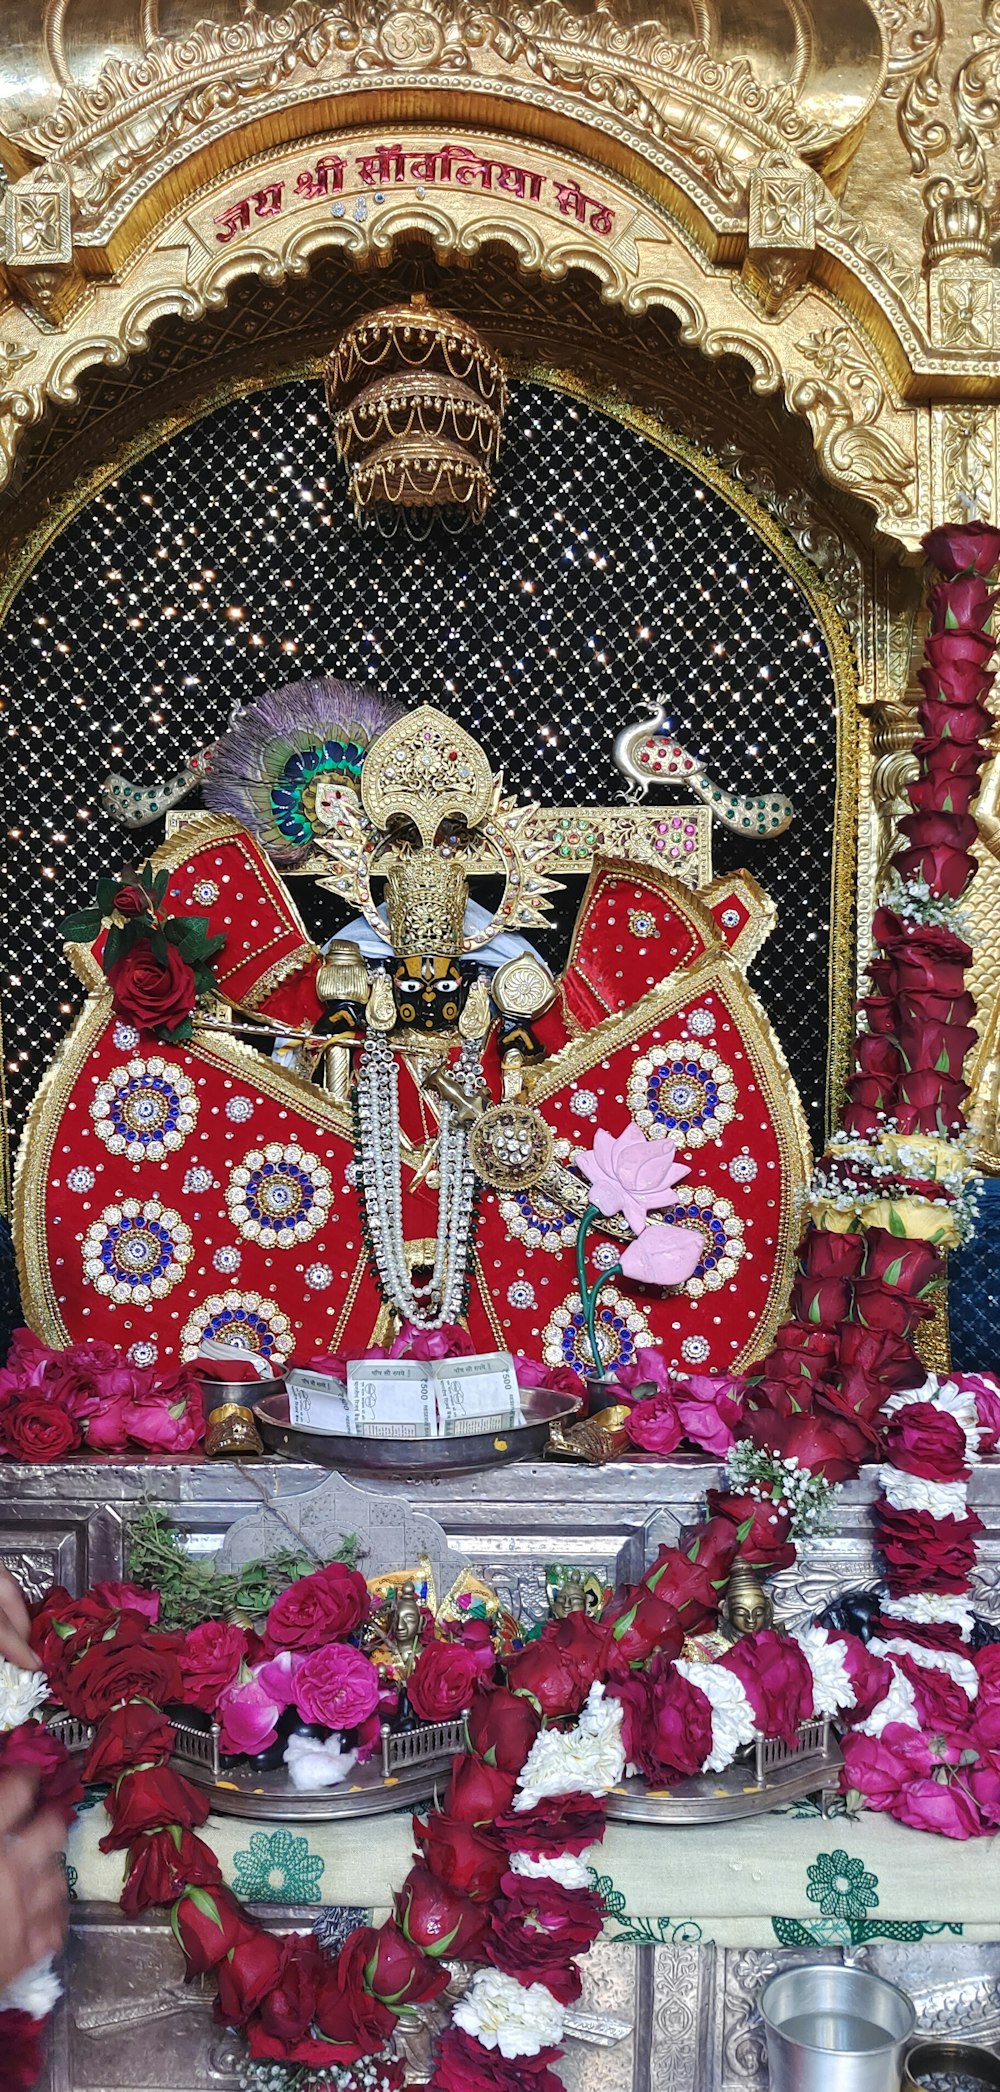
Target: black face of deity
{"type": "Point", "coordinates": [429, 994]}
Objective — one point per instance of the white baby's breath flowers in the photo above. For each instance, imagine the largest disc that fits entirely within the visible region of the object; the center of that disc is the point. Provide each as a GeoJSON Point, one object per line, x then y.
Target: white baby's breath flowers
{"type": "Point", "coordinates": [733, 1721]}
{"type": "Point", "coordinates": [832, 1688]}
{"type": "Point", "coordinates": [958, 1667]}
{"type": "Point", "coordinates": [587, 1759]}
{"type": "Point", "coordinates": [517, 2018]}
{"type": "Point", "coordinates": [899, 1706]}
{"type": "Point", "coordinates": [914, 1493]}
{"type": "Point", "coordinates": [21, 1694]}
{"type": "Point", "coordinates": [563, 1867]}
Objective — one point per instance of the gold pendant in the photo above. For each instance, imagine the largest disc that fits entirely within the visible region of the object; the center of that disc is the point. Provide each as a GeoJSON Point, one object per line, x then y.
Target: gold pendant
{"type": "Point", "coordinates": [511, 1147]}
{"type": "Point", "coordinates": [381, 1011]}
{"type": "Point", "coordinates": [474, 1022]}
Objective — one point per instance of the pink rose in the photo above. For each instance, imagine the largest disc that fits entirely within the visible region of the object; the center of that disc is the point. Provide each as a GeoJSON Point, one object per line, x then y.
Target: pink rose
{"type": "Point", "coordinates": [984, 1786]}
{"type": "Point", "coordinates": [556, 1380]}
{"type": "Point", "coordinates": [450, 1341]}
{"type": "Point", "coordinates": [662, 1256]}
{"type": "Point", "coordinates": [107, 1431]}
{"type": "Point", "coordinates": [987, 1662]}
{"type": "Point", "coordinates": [871, 1676]}
{"type": "Point", "coordinates": [930, 1805]}
{"type": "Point", "coordinates": [336, 1686]}
{"type": "Point", "coordinates": [167, 1416]}
{"type": "Point", "coordinates": [120, 1598]}
{"type": "Point", "coordinates": [649, 1365]}
{"type": "Point", "coordinates": [632, 1176]}
{"type": "Point", "coordinates": [708, 1412]}
{"type": "Point", "coordinates": [249, 1718]}
{"type": "Point", "coordinates": [777, 1681]}
{"type": "Point", "coordinates": [879, 1767]}
{"type": "Point", "coordinates": [655, 1425]}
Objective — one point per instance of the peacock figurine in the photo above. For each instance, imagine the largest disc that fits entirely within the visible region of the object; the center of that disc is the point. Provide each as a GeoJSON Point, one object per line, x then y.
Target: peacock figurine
{"type": "Point", "coordinates": [266, 771]}
{"type": "Point", "coordinates": [646, 754]}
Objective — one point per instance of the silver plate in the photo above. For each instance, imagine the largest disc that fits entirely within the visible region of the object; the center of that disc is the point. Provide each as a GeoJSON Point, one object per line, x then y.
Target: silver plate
{"type": "Point", "coordinates": [245, 1791]}
{"type": "Point", "coordinates": [402, 1459]}
{"type": "Point", "coordinates": [718, 1797]}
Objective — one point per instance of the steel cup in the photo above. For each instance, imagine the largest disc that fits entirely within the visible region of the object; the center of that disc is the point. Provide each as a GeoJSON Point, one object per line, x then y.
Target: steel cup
{"type": "Point", "coordinates": [832, 2029]}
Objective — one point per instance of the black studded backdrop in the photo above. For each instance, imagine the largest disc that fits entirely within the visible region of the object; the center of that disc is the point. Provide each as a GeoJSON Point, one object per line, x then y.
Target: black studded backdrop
{"type": "Point", "coordinates": [605, 578]}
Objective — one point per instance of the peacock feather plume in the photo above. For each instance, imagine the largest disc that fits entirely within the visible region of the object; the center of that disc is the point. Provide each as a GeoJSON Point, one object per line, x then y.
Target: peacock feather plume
{"type": "Point", "coordinates": [265, 770]}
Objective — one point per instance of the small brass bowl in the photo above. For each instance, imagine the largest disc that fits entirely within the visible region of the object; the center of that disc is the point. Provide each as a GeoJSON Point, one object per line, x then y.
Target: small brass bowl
{"type": "Point", "coordinates": [958, 2063]}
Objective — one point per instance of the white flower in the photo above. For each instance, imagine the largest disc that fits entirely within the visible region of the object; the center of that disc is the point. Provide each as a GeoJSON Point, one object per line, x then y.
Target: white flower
{"type": "Point", "coordinates": [313, 1765]}
{"type": "Point", "coordinates": [517, 2018]}
{"type": "Point", "coordinates": [36, 1991]}
{"type": "Point", "coordinates": [563, 1867]}
{"type": "Point", "coordinates": [21, 1694]}
{"type": "Point", "coordinates": [588, 1759]}
{"type": "Point", "coordinates": [914, 1493]}
{"type": "Point", "coordinates": [931, 1608]}
{"type": "Point", "coordinates": [899, 1705]}
{"type": "Point", "coordinates": [732, 1715]}
{"type": "Point", "coordinates": [964, 1673]}
{"type": "Point", "coordinates": [832, 1688]}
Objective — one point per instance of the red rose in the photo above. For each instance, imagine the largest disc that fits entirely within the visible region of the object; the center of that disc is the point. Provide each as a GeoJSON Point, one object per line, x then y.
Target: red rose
{"type": "Point", "coordinates": [655, 1426]}
{"type": "Point", "coordinates": [286, 2011]}
{"type": "Point", "coordinates": [537, 1929]}
{"type": "Point", "coordinates": [949, 759]}
{"type": "Point", "coordinates": [897, 1262]}
{"type": "Point", "coordinates": [128, 1667]}
{"type": "Point", "coordinates": [23, 2049]}
{"type": "Point", "coordinates": [464, 2065]}
{"type": "Point", "coordinates": [31, 1747]}
{"type": "Point", "coordinates": [883, 1306]}
{"type": "Point", "coordinates": [246, 1975]}
{"type": "Point", "coordinates": [879, 1356]}
{"type": "Point", "coordinates": [823, 1300]}
{"type": "Point", "coordinates": [566, 1823]}
{"type": "Point", "coordinates": [155, 995]}
{"type": "Point", "coordinates": [927, 1043]}
{"type": "Point", "coordinates": [559, 1669]}
{"type": "Point", "coordinates": [667, 1725]}
{"type": "Point", "coordinates": [922, 1553]}
{"type": "Point", "coordinates": [317, 1609]}
{"type": "Point", "coordinates": [818, 1443]}
{"type": "Point", "coordinates": [876, 1053]}
{"type": "Point", "coordinates": [870, 1676]}
{"type": "Point", "coordinates": [927, 946]}
{"type": "Point", "coordinates": [398, 1973]}
{"type": "Point", "coordinates": [131, 901]}
{"type": "Point", "coordinates": [685, 1584]}
{"type": "Point", "coordinates": [129, 1735]}
{"type": "Point", "coordinates": [954, 715]}
{"type": "Point", "coordinates": [443, 1680]}
{"type": "Point", "coordinates": [33, 1429]}
{"type": "Point", "coordinates": [437, 1919]}
{"type": "Point", "coordinates": [777, 1681]}
{"type": "Point", "coordinates": [641, 1624]}
{"type": "Point", "coordinates": [209, 1659]}
{"type": "Point", "coordinates": [802, 1352]}
{"type": "Point", "coordinates": [944, 869]}
{"type": "Point", "coordinates": [162, 1866]}
{"type": "Point", "coordinates": [966, 604]}
{"type": "Point", "coordinates": [465, 1858]}
{"type": "Point", "coordinates": [761, 1532]}
{"type": "Point", "coordinates": [923, 1440]}
{"type": "Point", "coordinates": [149, 1799]}
{"type": "Point", "coordinates": [944, 795]}
{"type": "Point", "coordinates": [477, 1792]}
{"type": "Point", "coordinates": [502, 1726]}
{"type": "Point", "coordinates": [879, 1012]}
{"type": "Point", "coordinates": [939, 1700]}
{"type": "Point", "coordinates": [712, 1545]}
{"type": "Point", "coordinates": [944, 649]}
{"type": "Point", "coordinates": [209, 1927]}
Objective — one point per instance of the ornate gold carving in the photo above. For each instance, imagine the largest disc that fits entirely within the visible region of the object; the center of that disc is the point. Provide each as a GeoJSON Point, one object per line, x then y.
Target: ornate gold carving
{"type": "Point", "coordinates": [37, 229]}
{"type": "Point", "coordinates": [781, 234]}
{"type": "Point", "coordinates": [965, 459]}
{"type": "Point", "coordinates": [844, 405]}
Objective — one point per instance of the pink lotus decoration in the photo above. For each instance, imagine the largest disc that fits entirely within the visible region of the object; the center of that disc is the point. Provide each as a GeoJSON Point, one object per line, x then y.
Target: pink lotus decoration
{"type": "Point", "coordinates": [630, 1175]}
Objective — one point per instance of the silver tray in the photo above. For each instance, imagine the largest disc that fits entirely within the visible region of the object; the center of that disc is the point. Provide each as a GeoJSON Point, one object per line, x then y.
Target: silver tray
{"type": "Point", "coordinates": [245, 1791]}
{"type": "Point", "coordinates": [401, 1459]}
{"type": "Point", "coordinates": [741, 1790]}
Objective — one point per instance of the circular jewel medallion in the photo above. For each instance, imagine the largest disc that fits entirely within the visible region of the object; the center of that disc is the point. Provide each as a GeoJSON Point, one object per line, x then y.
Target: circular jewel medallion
{"type": "Point", "coordinates": [721, 1230]}
{"type": "Point", "coordinates": [621, 1332]}
{"type": "Point", "coordinates": [245, 1320]}
{"type": "Point", "coordinates": [136, 1252]}
{"type": "Point", "coordinates": [511, 1147]}
{"type": "Point", "coordinates": [682, 1093]}
{"type": "Point", "coordinates": [279, 1195]}
{"type": "Point", "coordinates": [537, 1220]}
{"type": "Point", "coordinates": [145, 1111]}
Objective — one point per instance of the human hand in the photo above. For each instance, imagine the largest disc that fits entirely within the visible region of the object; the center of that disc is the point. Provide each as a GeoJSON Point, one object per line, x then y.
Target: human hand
{"type": "Point", "coordinates": [15, 1624]}
{"type": "Point", "coordinates": [33, 1895]}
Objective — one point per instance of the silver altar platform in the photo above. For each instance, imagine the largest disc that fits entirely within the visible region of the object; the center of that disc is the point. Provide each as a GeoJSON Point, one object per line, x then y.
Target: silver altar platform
{"type": "Point", "coordinates": [657, 2018]}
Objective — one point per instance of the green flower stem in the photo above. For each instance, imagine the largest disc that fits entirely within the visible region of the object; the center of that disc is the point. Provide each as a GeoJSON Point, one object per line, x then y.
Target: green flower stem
{"type": "Point", "coordinates": [588, 1294]}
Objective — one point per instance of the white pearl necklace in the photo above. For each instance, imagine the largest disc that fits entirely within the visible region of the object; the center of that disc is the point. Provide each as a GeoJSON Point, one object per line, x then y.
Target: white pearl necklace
{"type": "Point", "coordinates": [438, 1299]}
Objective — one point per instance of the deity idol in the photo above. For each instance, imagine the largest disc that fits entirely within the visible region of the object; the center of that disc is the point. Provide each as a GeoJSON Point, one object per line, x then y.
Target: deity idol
{"type": "Point", "coordinates": [337, 1142]}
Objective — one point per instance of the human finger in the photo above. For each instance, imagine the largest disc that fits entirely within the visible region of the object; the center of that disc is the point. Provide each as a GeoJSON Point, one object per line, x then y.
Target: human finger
{"type": "Point", "coordinates": [18, 1791]}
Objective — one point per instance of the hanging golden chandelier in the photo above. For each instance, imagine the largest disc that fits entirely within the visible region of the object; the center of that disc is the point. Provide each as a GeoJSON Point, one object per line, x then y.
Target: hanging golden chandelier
{"type": "Point", "coordinates": [417, 400]}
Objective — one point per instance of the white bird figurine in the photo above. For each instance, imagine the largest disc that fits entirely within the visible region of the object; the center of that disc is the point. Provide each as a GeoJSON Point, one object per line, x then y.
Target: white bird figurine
{"type": "Point", "coordinates": [646, 754]}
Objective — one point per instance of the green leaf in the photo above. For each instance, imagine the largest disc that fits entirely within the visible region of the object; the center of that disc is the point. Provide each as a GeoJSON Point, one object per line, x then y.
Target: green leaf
{"type": "Point", "coordinates": [893, 1272]}
{"type": "Point", "coordinates": [82, 927]}
{"type": "Point", "coordinates": [158, 946]}
{"type": "Point", "coordinates": [813, 1313]}
{"type": "Point", "coordinates": [175, 1923]}
{"type": "Point", "coordinates": [950, 620]}
{"type": "Point", "coordinates": [184, 1030]}
{"type": "Point", "coordinates": [160, 884]}
{"type": "Point", "coordinates": [205, 1903]}
{"type": "Point", "coordinates": [106, 891]}
{"type": "Point", "coordinates": [895, 1223]}
{"type": "Point", "coordinates": [113, 947]}
{"type": "Point", "coordinates": [174, 1831]}
{"type": "Point", "coordinates": [177, 931]}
